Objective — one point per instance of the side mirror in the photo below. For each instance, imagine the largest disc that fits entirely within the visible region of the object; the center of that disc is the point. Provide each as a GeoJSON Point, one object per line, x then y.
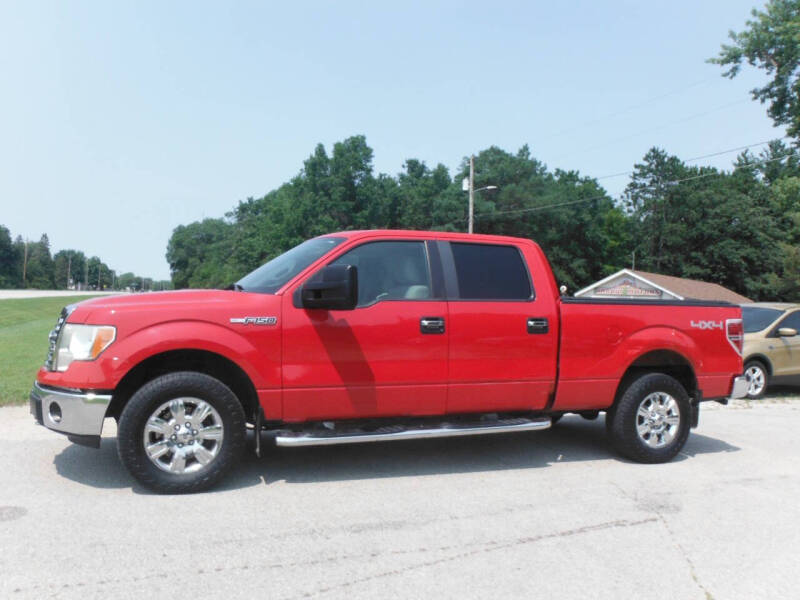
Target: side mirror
{"type": "Point", "coordinates": [787, 332]}
{"type": "Point", "coordinates": [334, 287]}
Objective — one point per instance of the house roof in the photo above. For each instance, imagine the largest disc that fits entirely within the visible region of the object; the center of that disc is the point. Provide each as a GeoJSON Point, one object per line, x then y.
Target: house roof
{"type": "Point", "coordinates": [692, 288]}
{"type": "Point", "coordinates": [675, 286]}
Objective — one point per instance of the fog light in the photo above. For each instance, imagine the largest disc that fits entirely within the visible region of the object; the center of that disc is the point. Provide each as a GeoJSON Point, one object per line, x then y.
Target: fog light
{"type": "Point", "coordinates": [55, 412]}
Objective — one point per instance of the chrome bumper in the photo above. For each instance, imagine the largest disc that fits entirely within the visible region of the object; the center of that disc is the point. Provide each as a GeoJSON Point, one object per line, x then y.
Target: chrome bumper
{"type": "Point", "coordinates": [77, 414]}
{"type": "Point", "coordinates": [740, 385]}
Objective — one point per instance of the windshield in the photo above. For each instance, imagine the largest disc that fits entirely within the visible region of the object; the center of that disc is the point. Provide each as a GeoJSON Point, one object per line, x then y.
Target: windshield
{"type": "Point", "coordinates": [273, 275]}
{"type": "Point", "coordinates": [756, 319]}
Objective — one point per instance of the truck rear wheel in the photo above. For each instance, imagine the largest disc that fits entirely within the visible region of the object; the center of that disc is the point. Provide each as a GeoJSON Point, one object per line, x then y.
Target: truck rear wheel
{"type": "Point", "coordinates": [650, 423]}
{"type": "Point", "coordinates": [181, 432]}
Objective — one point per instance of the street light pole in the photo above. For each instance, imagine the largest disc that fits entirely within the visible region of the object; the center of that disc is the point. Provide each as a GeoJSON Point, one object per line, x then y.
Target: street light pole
{"type": "Point", "coordinates": [468, 184]}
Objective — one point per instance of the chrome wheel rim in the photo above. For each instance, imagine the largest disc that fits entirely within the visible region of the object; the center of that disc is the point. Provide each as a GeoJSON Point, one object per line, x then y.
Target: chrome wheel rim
{"type": "Point", "coordinates": [183, 435]}
{"type": "Point", "coordinates": [658, 419]}
{"type": "Point", "coordinates": [755, 380]}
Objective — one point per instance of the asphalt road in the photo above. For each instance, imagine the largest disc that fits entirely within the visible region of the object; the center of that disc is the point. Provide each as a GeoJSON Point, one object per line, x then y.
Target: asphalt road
{"type": "Point", "coordinates": [20, 294]}
{"type": "Point", "coordinates": [551, 514]}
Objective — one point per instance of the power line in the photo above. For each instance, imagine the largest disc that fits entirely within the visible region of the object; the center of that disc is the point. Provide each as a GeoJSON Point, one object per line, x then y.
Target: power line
{"type": "Point", "coordinates": [629, 108]}
{"type": "Point", "coordinates": [620, 174]}
{"type": "Point", "coordinates": [734, 149]}
{"type": "Point", "coordinates": [605, 196]}
{"type": "Point", "coordinates": [657, 128]}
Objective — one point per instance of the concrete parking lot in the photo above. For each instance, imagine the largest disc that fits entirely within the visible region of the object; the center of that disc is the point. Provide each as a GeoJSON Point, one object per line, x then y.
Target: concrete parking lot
{"type": "Point", "coordinates": [553, 514]}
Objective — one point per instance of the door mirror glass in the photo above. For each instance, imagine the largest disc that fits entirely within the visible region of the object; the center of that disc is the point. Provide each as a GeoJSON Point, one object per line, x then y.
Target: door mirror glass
{"type": "Point", "coordinates": [334, 287]}
{"type": "Point", "coordinates": [787, 332]}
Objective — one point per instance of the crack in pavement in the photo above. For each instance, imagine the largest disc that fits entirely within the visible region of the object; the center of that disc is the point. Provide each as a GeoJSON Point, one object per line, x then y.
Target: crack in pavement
{"type": "Point", "coordinates": [674, 538]}
{"type": "Point", "coordinates": [479, 547]}
{"type": "Point", "coordinates": [491, 547]}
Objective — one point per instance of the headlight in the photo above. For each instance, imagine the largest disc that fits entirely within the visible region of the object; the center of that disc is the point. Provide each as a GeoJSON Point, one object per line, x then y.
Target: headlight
{"type": "Point", "coordinates": [82, 342]}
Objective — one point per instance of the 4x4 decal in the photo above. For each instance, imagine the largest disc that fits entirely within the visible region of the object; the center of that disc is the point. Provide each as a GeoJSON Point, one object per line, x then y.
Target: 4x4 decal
{"type": "Point", "coordinates": [707, 324]}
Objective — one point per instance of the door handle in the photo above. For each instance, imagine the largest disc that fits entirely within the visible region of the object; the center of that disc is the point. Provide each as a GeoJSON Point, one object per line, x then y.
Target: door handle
{"type": "Point", "coordinates": [538, 325]}
{"type": "Point", "coordinates": [431, 325]}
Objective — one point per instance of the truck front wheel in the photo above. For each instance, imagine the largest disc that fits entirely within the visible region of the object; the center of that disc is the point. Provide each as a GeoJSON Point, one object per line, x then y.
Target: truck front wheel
{"type": "Point", "coordinates": [181, 432]}
{"type": "Point", "coordinates": [650, 422]}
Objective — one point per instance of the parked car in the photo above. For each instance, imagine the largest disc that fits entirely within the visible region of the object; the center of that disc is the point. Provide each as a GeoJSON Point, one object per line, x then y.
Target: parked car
{"type": "Point", "coordinates": [376, 336]}
{"type": "Point", "coordinates": [771, 345]}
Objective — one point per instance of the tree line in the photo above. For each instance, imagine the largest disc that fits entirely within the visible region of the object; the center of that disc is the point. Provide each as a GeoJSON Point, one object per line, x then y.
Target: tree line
{"type": "Point", "coordinates": [738, 227]}
{"type": "Point", "coordinates": [26, 264]}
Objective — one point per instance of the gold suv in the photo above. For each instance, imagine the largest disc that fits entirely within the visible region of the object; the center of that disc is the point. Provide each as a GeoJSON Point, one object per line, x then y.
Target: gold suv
{"type": "Point", "coordinates": [771, 345]}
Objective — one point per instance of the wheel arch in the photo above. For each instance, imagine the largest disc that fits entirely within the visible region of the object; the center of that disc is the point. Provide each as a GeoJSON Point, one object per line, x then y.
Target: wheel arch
{"type": "Point", "coordinates": [200, 361]}
{"type": "Point", "coordinates": [668, 362]}
{"type": "Point", "coordinates": [762, 358]}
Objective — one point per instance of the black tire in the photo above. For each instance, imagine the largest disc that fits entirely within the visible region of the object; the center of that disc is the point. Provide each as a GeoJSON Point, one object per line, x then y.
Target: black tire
{"type": "Point", "coordinates": [759, 369]}
{"type": "Point", "coordinates": [623, 420]}
{"type": "Point", "coordinates": [151, 396]}
{"type": "Point", "coordinates": [555, 419]}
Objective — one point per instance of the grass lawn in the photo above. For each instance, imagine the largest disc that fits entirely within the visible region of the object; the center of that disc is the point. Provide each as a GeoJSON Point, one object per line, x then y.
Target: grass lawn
{"type": "Point", "coordinates": [24, 327]}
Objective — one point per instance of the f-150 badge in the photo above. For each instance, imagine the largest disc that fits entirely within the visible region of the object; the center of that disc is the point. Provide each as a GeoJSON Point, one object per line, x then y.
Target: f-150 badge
{"type": "Point", "coordinates": [255, 320]}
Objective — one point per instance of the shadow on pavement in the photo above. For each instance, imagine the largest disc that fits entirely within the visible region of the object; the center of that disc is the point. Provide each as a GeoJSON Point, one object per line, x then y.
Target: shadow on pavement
{"type": "Point", "coordinates": [572, 440]}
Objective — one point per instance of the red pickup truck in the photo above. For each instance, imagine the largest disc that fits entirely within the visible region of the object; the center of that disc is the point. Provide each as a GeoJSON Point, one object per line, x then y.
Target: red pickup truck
{"type": "Point", "coordinates": [367, 336]}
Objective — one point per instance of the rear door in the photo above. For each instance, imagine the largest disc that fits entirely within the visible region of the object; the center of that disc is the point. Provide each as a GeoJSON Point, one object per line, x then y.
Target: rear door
{"type": "Point", "coordinates": [503, 341]}
{"type": "Point", "coordinates": [387, 357]}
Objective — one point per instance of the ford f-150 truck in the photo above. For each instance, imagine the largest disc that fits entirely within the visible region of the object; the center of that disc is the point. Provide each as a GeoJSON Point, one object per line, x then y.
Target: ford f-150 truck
{"type": "Point", "coordinates": [367, 336]}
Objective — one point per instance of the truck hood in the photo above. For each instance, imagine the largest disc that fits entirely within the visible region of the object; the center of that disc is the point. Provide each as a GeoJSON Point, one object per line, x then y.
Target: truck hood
{"type": "Point", "coordinates": [157, 299]}
{"type": "Point", "coordinates": [155, 307]}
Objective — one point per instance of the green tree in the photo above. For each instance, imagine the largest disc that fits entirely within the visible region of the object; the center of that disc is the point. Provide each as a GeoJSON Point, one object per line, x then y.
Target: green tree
{"type": "Point", "coordinates": [701, 223]}
{"type": "Point", "coordinates": [786, 197]}
{"type": "Point", "coordinates": [68, 268]}
{"type": "Point", "coordinates": [9, 260]}
{"type": "Point", "coordinates": [99, 274]}
{"type": "Point", "coordinates": [127, 280]}
{"type": "Point", "coordinates": [197, 254]}
{"type": "Point", "coordinates": [39, 264]}
{"type": "Point", "coordinates": [419, 188]}
{"type": "Point", "coordinates": [771, 42]}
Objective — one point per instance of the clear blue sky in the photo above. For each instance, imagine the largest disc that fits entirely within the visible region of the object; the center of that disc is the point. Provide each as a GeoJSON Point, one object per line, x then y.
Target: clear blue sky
{"type": "Point", "coordinates": [120, 121]}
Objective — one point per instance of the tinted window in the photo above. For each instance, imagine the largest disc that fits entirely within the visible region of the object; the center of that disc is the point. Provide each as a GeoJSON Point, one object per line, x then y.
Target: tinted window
{"type": "Point", "coordinates": [273, 275]}
{"type": "Point", "coordinates": [793, 321]}
{"type": "Point", "coordinates": [757, 319]}
{"type": "Point", "coordinates": [488, 272]}
{"type": "Point", "coordinates": [389, 271]}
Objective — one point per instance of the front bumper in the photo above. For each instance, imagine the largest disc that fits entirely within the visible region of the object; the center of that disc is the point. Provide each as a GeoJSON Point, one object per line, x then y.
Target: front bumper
{"type": "Point", "coordinates": [78, 415]}
{"type": "Point", "coordinates": [740, 385]}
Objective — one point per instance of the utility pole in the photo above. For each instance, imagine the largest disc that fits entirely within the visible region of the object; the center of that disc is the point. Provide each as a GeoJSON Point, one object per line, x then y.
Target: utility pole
{"type": "Point", "coordinates": [69, 267]}
{"type": "Point", "coordinates": [471, 192]}
{"type": "Point", "coordinates": [468, 184]}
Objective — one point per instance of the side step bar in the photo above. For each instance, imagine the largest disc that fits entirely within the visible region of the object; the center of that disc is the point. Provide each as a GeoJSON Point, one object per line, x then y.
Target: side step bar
{"type": "Point", "coordinates": [390, 433]}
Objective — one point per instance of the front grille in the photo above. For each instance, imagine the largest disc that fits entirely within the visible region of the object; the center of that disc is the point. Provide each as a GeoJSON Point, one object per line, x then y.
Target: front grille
{"type": "Point", "coordinates": [49, 363]}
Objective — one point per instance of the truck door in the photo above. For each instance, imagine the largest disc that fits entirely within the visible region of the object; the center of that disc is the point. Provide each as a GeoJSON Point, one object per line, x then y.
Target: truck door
{"type": "Point", "coordinates": [388, 357]}
{"type": "Point", "coordinates": [503, 337]}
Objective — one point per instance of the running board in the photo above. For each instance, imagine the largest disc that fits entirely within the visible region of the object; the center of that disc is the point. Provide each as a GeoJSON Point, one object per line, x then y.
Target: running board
{"type": "Point", "coordinates": [329, 437]}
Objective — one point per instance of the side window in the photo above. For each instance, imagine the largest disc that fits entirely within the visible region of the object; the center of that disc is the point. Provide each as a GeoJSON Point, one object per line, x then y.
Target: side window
{"type": "Point", "coordinates": [389, 271]}
{"type": "Point", "coordinates": [488, 272]}
{"type": "Point", "coordinates": [792, 320]}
